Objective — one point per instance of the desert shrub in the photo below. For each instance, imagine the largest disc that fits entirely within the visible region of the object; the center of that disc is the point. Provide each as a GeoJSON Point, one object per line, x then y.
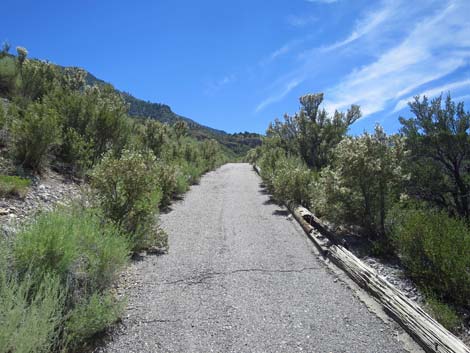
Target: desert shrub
{"type": "Point", "coordinates": [434, 248]}
{"type": "Point", "coordinates": [29, 320]}
{"type": "Point", "coordinates": [443, 313]}
{"type": "Point", "coordinates": [292, 181]}
{"type": "Point", "coordinates": [13, 186]}
{"type": "Point", "coordinates": [75, 245]}
{"type": "Point", "coordinates": [268, 165]}
{"type": "Point", "coordinates": [94, 121]}
{"type": "Point", "coordinates": [127, 190]}
{"type": "Point", "coordinates": [36, 79]}
{"type": "Point", "coordinates": [363, 182]}
{"type": "Point", "coordinates": [91, 317]}
{"type": "Point", "coordinates": [253, 155]}
{"type": "Point", "coordinates": [8, 75]}
{"type": "Point", "coordinates": [167, 180]}
{"type": "Point", "coordinates": [75, 152]}
{"type": "Point", "coordinates": [30, 323]}
{"type": "Point", "coordinates": [34, 132]}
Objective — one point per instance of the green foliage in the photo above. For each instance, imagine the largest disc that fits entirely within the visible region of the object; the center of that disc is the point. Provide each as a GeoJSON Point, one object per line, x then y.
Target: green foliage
{"type": "Point", "coordinates": [312, 134]}
{"type": "Point", "coordinates": [74, 245]}
{"type": "Point", "coordinates": [54, 282]}
{"type": "Point", "coordinates": [29, 319]}
{"type": "Point", "coordinates": [13, 186]}
{"type": "Point", "coordinates": [91, 317]}
{"type": "Point", "coordinates": [443, 313]}
{"type": "Point", "coordinates": [362, 183]}
{"type": "Point", "coordinates": [167, 180]}
{"type": "Point", "coordinates": [34, 132]}
{"type": "Point", "coordinates": [95, 119]}
{"type": "Point", "coordinates": [128, 191]}
{"type": "Point", "coordinates": [7, 76]}
{"type": "Point", "coordinates": [292, 181]}
{"type": "Point", "coordinates": [35, 80]}
{"type": "Point", "coordinates": [434, 248]}
{"type": "Point", "coordinates": [439, 143]}
{"type": "Point", "coordinates": [233, 144]}
{"type": "Point", "coordinates": [30, 322]}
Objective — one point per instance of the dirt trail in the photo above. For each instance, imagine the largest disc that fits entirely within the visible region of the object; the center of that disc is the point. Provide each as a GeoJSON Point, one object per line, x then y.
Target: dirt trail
{"type": "Point", "coordinates": [241, 277]}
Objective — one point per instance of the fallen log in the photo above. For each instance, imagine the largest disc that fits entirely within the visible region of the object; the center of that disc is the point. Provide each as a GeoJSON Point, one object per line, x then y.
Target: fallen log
{"type": "Point", "coordinates": [430, 334]}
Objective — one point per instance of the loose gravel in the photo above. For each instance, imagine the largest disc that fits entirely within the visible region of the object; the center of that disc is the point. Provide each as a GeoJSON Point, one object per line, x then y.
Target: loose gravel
{"type": "Point", "coordinates": [241, 277]}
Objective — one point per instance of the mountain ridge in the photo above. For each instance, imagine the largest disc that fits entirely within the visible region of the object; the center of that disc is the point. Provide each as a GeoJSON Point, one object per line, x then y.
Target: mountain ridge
{"type": "Point", "coordinates": [239, 143]}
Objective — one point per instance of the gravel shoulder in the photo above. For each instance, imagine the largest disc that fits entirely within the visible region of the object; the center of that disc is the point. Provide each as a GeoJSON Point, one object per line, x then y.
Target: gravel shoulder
{"type": "Point", "coordinates": [241, 277]}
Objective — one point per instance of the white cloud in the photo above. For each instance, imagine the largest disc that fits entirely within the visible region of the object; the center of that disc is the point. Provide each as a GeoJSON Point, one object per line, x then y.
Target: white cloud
{"type": "Point", "coordinates": [434, 92]}
{"type": "Point", "coordinates": [278, 96]}
{"type": "Point", "coordinates": [429, 52]}
{"type": "Point", "coordinates": [367, 24]}
{"type": "Point", "coordinates": [283, 50]}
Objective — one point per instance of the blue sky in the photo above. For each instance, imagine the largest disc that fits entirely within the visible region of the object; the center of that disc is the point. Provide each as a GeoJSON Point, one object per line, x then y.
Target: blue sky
{"type": "Point", "coordinates": [236, 65]}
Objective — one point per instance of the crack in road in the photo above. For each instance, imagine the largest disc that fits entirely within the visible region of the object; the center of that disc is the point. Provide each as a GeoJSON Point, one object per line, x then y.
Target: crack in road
{"type": "Point", "coordinates": [195, 280]}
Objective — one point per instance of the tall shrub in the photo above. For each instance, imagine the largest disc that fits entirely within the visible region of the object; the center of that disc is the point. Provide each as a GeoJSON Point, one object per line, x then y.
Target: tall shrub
{"type": "Point", "coordinates": [127, 190]}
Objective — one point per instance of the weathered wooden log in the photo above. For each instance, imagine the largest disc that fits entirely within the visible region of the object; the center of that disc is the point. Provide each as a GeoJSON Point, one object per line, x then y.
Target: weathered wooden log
{"type": "Point", "coordinates": [431, 335]}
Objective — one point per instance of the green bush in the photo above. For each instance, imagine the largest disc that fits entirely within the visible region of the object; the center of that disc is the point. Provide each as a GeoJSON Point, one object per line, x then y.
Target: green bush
{"type": "Point", "coordinates": [13, 186]}
{"type": "Point", "coordinates": [363, 182]}
{"type": "Point", "coordinates": [29, 324]}
{"type": "Point", "coordinates": [7, 76]}
{"type": "Point", "coordinates": [128, 191]}
{"type": "Point", "coordinates": [167, 179]}
{"type": "Point", "coordinates": [34, 132]}
{"type": "Point", "coordinates": [75, 245]}
{"type": "Point", "coordinates": [91, 318]}
{"type": "Point", "coordinates": [434, 248]}
{"type": "Point", "coordinates": [292, 181]}
{"type": "Point", "coordinates": [29, 320]}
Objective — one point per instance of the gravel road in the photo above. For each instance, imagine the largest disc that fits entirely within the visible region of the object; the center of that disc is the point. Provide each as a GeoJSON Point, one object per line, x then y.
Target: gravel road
{"type": "Point", "coordinates": [241, 277]}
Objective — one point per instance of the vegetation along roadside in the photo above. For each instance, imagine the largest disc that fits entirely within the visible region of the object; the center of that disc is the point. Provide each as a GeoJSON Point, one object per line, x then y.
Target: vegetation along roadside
{"type": "Point", "coordinates": [401, 197]}
{"type": "Point", "coordinates": [57, 270]}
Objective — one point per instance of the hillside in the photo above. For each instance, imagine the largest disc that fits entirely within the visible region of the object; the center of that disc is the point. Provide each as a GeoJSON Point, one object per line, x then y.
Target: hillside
{"type": "Point", "coordinates": [238, 143]}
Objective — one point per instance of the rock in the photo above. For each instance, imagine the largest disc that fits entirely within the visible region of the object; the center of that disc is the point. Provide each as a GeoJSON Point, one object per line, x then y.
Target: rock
{"type": "Point", "coordinates": [4, 211]}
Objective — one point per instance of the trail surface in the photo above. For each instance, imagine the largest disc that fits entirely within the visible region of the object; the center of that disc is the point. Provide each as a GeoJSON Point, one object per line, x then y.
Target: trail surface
{"type": "Point", "coordinates": [241, 277]}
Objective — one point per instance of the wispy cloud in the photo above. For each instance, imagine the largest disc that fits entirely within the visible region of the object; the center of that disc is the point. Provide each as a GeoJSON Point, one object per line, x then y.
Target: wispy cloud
{"type": "Point", "coordinates": [409, 49]}
{"type": "Point", "coordinates": [436, 47]}
{"type": "Point", "coordinates": [289, 86]}
{"type": "Point", "coordinates": [434, 92]}
{"type": "Point", "coordinates": [365, 25]}
{"type": "Point", "coordinates": [283, 50]}
{"type": "Point", "coordinates": [213, 87]}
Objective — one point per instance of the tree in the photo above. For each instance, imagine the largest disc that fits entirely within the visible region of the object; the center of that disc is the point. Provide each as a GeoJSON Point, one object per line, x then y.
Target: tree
{"type": "Point", "coordinates": [311, 133]}
{"type": "Point", "coordinates": [439, 160]}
